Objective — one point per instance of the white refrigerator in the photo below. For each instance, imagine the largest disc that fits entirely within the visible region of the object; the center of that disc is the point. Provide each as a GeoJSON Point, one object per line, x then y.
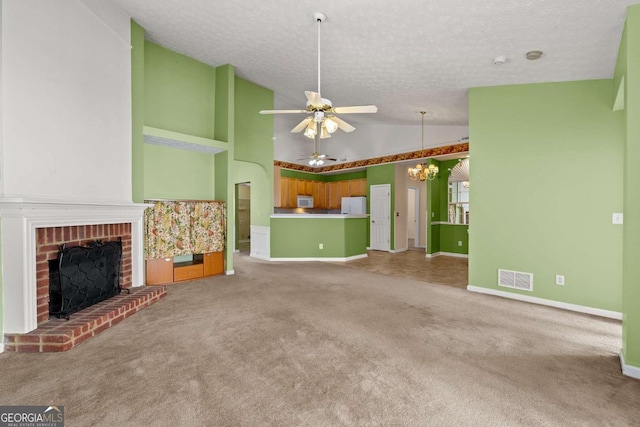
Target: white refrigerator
{"type": "Point", "coordinates": [354, 205]}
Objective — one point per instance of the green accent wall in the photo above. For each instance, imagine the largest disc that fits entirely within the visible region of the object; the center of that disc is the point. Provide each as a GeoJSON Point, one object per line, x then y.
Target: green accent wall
{"type": "Point", "coordinates": [628, 65]}
{"type": "Point", "coordinates": [288, 173]}
{"type": "Point", "coordinates": [383, 174]}
{"type": "Point", "coordinates": [301, 237]}
{"type": "Point", "coordinates": [137, 112]}
{"type": "Point", "coordinates": [179, 96]}
{"type": "Point", "coordinates": [173, 173]}
{"type": "Point", "coordinates": [345, 176]}
{"type": "Point", "coordinates": [443, 237]}
{"type": "Point", "coordinates": [180, 92]}
{"type": "Point", "coordinates": [225, 131]}
{"type": "Point", "coordinates": [254, 147]}
{"type": "Point", "coordinates": [546, 177]}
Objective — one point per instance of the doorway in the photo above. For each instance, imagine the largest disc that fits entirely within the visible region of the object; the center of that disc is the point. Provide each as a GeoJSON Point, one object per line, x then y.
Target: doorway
{"type": "Point", "coordinates": [413, 218]}
{"type": "Point", "coordinates": [243, 217]}
{"type": "Point", "coordinates": [380, 221]}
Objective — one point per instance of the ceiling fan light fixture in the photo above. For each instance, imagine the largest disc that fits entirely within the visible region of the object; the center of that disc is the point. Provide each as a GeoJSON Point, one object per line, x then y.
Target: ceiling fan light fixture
{"type": "Point", "coordinates": [331, 125]}
{"type": "Point", "coordinates": [310, 131]}
{"type": "Point", "coordinates": [324, 133]}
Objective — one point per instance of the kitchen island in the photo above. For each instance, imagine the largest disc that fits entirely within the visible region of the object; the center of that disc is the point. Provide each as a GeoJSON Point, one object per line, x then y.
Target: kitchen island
{"type": "Point", "coordinates": [318, 237]}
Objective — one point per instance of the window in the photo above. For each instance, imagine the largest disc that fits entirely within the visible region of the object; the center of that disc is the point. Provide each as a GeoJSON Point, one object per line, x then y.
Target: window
{"type": "Point", "coordinates": [459, 202]}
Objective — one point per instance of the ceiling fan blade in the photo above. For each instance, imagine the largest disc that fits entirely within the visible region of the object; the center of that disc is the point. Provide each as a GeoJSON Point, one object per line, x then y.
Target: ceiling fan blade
{"type": "Point", "coordinates": [303, 124]}
{"type": "Point", "coordinates": [331, 158]}
{"type": "Point", "coordinates": [282, 111]}
{"type": "Point", "coordinates": [346, 127]}
{"type": "Point", "coordinates": [314, 98]}
{"type": "Point", "coordinates": [356, 109]}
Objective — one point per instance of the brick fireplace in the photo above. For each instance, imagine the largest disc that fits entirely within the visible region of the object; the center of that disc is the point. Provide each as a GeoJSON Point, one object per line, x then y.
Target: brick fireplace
{"type": "Point", "coordinates": [49, 240]}
{"type": "Point", "coordinates": [32, 232]}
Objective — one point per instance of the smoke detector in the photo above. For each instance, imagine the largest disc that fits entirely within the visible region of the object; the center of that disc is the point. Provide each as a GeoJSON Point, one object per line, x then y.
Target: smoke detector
{"type": "Point", "coordinates": [532, 55]}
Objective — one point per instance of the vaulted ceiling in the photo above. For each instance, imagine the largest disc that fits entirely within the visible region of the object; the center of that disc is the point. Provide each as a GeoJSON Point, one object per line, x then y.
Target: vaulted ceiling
{"type": "Point", "coordinates": [403, 56]}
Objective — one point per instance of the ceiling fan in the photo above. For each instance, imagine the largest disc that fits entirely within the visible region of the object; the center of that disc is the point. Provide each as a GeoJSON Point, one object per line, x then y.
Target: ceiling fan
{"type": "Point", "coordinates": [323, 117]}
{"type": "Point", "coordinates": [316, 159]}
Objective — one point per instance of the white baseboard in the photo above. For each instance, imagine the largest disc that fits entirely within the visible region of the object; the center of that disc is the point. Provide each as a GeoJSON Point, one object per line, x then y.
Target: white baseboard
{"type": "Point", "coordinates": [396, 251]}
{"type": "Point", "coordinates": [2, 346]}
{"type": "Point", "coordinates": [629, 370]}
{"type": "Point", "coordinates": [229, 272]}
{"type": "Point", "coordinates": [453, 254]}
{"type": "Point", "coordinates": [337, 259]}
{"type": "Point", "coordinates": [550, 303]}
{"type": "Point", "coordinates": [259, 256]}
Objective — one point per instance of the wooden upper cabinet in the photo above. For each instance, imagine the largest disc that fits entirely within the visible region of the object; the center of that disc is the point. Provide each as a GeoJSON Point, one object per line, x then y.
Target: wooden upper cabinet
{"type": "Point", "coordinates": [319, 195]}
{"type": "Point", "coordinates": [344, 191]}
{"type": "Point", "coordinates": [358, 187]}
{"type": "Point", "coordinates": [293, 193]}
{"type": "Point", "coordinates": [335, 196]}
{"type": "Point", "coordinates": [284, 192]}
{"type": "Point", "coordinates": [304, 187]}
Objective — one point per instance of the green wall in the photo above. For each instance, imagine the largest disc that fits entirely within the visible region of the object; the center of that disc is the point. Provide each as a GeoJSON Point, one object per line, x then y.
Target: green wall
{"type": "Point", "coordinates": [443, 237]}
{"type": "Point", "coordinates": [137, 112]}
{"type": "Point", "coordinates": [300, 237]}
{"type": "Point", "coordinates": [383, 174]}
{"type": "Point", "coordinates": [179, 95]}
{"type": "Point", "coordinates": [546, 178]}
{"type": "Point", "coordinates": [188, 100]}
{"type": "Point", "coordinates": [180, 92]}
{"type": "Point", "coordinates": [254, 147]}
{"type": "Point", "coordinates": [288, 173]}
{"type": "Point", "coordinates": [628, 65]}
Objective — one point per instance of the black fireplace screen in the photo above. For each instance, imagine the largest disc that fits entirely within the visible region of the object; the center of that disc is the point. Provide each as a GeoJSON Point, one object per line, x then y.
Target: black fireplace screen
{"type": "Point", "coordinates": [83, 276]}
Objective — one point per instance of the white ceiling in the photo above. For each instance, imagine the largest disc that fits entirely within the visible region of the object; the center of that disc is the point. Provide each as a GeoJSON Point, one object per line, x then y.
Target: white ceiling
{"type": "Point", "coordinates": [403, 56]}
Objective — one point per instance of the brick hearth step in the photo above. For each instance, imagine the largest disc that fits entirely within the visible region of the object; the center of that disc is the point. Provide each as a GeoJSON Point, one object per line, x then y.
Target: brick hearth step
{"type": "Point", "coordinates": [62, 335]}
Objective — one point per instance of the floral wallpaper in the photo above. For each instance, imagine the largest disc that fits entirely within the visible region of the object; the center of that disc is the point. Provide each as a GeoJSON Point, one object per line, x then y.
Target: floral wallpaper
{"type": "Point", "coordinates": [184, 227]}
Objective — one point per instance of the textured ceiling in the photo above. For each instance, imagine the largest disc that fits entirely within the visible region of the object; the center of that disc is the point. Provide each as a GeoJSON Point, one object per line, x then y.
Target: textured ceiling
{"type": "Point", "coordinates": [403, 56]}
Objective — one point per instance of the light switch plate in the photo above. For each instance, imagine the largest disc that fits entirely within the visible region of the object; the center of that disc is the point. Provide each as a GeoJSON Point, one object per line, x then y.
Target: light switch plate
{"type": "Point", "coordinates": [617, 218]}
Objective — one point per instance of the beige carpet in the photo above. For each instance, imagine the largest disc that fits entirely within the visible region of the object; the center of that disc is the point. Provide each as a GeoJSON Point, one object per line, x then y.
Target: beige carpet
{"type": "Point", "coordinates": [314, 344]}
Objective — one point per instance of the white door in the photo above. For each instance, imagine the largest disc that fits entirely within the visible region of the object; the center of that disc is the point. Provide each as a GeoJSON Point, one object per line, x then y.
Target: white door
{"type": "Point", "coordinates": [380, 223]}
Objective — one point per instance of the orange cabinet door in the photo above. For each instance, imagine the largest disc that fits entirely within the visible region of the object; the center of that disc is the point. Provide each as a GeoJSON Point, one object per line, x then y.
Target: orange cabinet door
{"type": "Point", "coordinates": [159, 271]}
{"type": "Point", "coordinates": [213, 263]}
{"type": "Point", "coordinates": [293, 193]}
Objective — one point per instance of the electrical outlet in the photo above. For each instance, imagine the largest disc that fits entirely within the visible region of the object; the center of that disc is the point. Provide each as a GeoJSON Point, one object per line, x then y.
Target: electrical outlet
{"type": "Point", "coordinates": [559, 280]}
{"type": "Point", "coordinates": [459, 242]}
{"type": "Point", "coordinates": [320, 246]}
{"type": "Point", "coordinates": [617, 218]}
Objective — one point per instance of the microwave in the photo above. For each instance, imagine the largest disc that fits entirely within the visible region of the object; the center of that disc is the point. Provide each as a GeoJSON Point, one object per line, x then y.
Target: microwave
{"type": "Point", "coordinates": [305, 201]}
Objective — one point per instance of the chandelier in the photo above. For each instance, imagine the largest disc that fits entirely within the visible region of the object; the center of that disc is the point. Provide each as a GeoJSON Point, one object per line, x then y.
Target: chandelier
{"type": "Point", "coordinates": [423, 171]}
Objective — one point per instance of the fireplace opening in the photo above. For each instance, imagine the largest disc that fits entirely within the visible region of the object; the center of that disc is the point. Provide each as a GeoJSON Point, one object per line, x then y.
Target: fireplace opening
{"type": "Point", "coordinates": [82, 276]}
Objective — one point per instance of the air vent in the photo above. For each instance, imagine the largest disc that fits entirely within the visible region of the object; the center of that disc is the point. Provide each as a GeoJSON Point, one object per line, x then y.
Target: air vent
{"type": "Point", "coordinates": [515, 280]}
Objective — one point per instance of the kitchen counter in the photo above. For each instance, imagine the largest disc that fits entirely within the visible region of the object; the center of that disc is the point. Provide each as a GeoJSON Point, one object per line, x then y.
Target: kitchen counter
{"type": "Point", "coordinates": [318, 237]}
{"type": "Point", "coordinates": [323, 216]}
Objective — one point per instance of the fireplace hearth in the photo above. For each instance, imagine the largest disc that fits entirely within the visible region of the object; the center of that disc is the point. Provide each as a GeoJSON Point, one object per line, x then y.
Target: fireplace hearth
{"type": "Point", "coordinates": [82, 276]}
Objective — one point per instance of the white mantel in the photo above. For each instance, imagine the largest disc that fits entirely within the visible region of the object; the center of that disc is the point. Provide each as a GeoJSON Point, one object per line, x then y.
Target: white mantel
{"type": "Point", "coordinates": [20, 217]}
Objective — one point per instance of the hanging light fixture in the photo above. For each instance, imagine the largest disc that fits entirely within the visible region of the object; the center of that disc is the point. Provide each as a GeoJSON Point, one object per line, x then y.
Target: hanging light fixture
{"type": "Point", "coordinates": [423, 171]}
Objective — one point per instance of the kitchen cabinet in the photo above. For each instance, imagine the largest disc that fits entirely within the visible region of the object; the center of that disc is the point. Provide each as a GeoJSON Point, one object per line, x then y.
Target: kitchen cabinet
{"type": "Point", "coordinates": [319, 194]}
{"type": "Point", "coordinates": [358, 187]}
{"type": "Point", "coordinates": [335, 195]}
{"type": "Point", "coordinates": [292, 201]}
